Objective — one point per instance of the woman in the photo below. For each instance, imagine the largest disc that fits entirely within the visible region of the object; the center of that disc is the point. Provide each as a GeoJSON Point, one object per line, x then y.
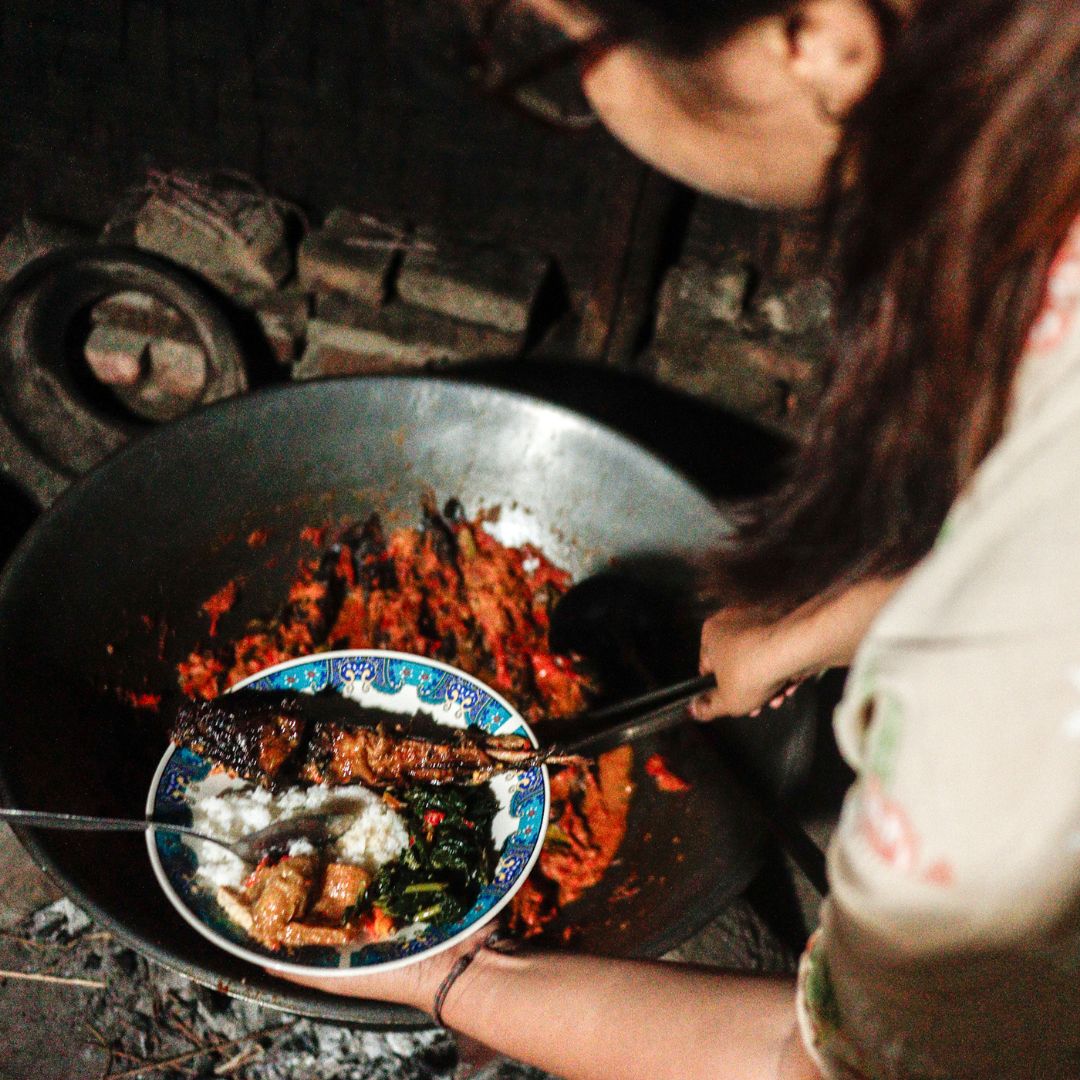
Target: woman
{"type": "Point", "coordinates": [929, 536]}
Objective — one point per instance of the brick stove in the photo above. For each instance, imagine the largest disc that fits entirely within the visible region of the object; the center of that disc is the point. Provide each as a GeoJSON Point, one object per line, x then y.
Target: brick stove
{"type": "Point", "coordinates": [350, 205]}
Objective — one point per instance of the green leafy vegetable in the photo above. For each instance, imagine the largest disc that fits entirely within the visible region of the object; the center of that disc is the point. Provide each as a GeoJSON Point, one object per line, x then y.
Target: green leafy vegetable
{"type": "Point", "coordinates": [450, 856]}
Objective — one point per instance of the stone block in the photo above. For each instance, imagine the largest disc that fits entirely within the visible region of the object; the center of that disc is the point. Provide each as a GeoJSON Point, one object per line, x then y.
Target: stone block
{"type": "Point", "coordinates": [117, 356]}
{"type": "Point", "coordinates": [225, 229]}
{"type": "Point", "coordinates": [347, 338]}
{"type": "Point", "coordinates": [729, 294]}
{"type": "Point", "coordinates": [283, 316]}
{"type": "Point", "coordinates": [139, 312]}
{"type": "Point", "coordinates": [804, 307]}
{"type": "Point", "coordinates": [157, 378]}
{"type": "Point", "coordinates": [699, 294]}
{"type": "Point", "coordinates": [482, 283]}
{"type": "Point", "coordinates": [760, 382]}
{"type": "Point", "coordinates": [148, 354]}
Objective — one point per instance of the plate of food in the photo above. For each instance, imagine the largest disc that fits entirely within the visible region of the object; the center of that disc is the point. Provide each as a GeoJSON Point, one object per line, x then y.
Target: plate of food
{"type": "Point", "coordinates": [436, 826]}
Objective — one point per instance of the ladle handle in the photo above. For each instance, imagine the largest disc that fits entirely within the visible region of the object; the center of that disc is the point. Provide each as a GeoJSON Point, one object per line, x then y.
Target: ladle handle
{"type": "Point", "coordinates": [647, 714]}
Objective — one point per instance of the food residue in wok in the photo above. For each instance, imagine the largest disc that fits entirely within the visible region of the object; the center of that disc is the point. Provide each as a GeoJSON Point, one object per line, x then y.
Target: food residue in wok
{"type": "Point", "coordinates": [657, 767]}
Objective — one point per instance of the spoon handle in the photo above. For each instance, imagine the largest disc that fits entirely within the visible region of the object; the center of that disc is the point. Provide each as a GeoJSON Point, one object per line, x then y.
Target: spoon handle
{"type": "Point", "coordinates": [43, 819]}
{"type": "Point", "coordinates": [676, 693]}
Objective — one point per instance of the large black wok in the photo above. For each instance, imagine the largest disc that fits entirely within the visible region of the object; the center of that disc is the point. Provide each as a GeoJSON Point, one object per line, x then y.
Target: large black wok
{"type": "Point", "coordinates": [102, 598]}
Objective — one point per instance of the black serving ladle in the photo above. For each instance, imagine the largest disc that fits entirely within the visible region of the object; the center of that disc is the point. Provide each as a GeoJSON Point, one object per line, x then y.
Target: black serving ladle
{"type": "Point", "coordinates": [618, 625]}
{"type": "Point", "coordinates": [614, 621]}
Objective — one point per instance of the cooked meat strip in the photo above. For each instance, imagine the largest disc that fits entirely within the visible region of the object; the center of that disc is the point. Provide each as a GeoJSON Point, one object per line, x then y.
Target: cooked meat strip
{"type": "Point", "coordinates": [260, 735]}
{"type": "Point", "coordinates": [299, 933]}
{"type": "Point", "coordinates": [377, 758]}
{"type": "Point", "coordinates": [382, 757]}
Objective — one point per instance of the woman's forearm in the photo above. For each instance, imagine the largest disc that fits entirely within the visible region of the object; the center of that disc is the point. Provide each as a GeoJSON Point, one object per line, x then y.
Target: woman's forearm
{"type": "Point", "coordinates": [586, 1018]}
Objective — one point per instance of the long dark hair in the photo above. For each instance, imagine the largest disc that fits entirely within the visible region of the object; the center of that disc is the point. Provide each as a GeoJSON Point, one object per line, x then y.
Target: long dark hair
{"type": "Point", "coordinates": [961, 176]}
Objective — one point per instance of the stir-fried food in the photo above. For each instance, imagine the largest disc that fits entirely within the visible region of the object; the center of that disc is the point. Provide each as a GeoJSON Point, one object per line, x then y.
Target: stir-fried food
{"type": "Point", "coordinates": [448, 591]}
{"type": "Point", "coordinates": [589, 808]}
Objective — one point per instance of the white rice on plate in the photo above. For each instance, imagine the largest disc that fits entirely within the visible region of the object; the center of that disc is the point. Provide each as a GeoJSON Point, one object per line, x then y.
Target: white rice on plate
{"type": "Point", "coordinates": [377, 836]}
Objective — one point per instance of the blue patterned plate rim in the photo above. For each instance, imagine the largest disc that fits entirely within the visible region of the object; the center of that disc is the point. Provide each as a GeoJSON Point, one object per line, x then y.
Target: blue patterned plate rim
{"type": "Point", "coordinates": [525, 797]}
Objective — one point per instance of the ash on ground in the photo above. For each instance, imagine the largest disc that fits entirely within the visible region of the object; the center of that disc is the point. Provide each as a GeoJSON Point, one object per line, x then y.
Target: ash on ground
{"type": "Point", "coordinates": [149, 1021]}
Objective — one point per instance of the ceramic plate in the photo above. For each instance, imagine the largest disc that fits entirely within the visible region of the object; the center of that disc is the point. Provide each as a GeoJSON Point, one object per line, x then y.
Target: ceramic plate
{"type": "Point", "coordinates": [395, 682]}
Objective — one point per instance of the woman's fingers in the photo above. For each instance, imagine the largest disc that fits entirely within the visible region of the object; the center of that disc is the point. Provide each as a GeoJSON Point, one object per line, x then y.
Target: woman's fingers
{"type": "Point", "coordinates": [711, 705]}
{"type": "Point", "coordinates": [707, 706]}
{"type": "Point", "coordinates": [391, 986]}
{"type": "Point", "coordinates": [414, 984]}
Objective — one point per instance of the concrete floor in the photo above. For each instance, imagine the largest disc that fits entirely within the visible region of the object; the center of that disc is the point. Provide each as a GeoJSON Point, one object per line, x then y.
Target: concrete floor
{"type": "Point", "coordinates": [23, 886]}
{"type": "Point", "coordinates": [42, 1025]}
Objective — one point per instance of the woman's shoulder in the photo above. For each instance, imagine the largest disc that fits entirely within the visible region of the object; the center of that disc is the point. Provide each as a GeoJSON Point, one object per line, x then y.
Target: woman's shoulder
{"type": "Point", "coordinates": [1007, 558]}
{"type": "Point", "coordinates": [1052, 350]}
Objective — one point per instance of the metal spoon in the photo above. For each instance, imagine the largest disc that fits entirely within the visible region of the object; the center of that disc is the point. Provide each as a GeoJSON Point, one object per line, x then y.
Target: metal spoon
{"type": "Point", "coordinates": [317, 829]}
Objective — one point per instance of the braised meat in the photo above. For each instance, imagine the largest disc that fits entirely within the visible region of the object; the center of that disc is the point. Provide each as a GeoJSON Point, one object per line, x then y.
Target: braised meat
{"type": "Point", "coordinates": [343, 888]}
{"type": "Point", "coordinates": [251, 734]}
{"type": "Point", "coordinates": [278, 895]}
{"type": "Point", "coordinates": [287, 903]}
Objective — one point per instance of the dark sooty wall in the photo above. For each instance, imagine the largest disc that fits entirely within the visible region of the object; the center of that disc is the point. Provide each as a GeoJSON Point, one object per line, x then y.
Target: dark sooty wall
{"type": "Point", "coordinates": [356, 103]}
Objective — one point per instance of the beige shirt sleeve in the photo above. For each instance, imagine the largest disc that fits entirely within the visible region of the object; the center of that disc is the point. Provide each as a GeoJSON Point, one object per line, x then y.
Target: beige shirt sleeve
{"type": "Point", "coordinates": [950, 944]}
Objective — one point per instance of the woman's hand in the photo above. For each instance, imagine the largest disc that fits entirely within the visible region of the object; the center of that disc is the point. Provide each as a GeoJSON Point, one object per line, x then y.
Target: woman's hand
{"type": "Point", "coordinates": [748, 658]}
{"type": "Point", "coordinates": [414, 984]}
{"type": "Point", "coordinates": [755, 659]}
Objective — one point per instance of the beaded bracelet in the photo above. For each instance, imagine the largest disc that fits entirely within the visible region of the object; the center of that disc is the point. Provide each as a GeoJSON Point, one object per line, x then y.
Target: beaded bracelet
{"type": "Point", "coordinates": [498, 941]}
